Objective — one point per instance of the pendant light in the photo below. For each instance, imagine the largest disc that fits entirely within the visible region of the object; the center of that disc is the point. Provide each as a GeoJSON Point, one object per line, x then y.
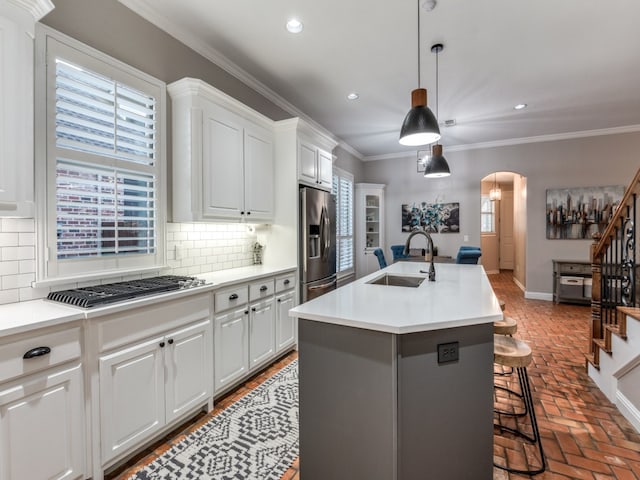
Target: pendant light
{"type": "Point", "coordinates": [437, 165]}
{"type": "Point", "coordinates": [420, 126]}
{"type": "Point", "coordinates": [495, 193]}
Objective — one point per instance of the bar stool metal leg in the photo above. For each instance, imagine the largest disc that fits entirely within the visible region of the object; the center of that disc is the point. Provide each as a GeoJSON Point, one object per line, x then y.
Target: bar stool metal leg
{"type": "Point", "coordinates": [534, 437]}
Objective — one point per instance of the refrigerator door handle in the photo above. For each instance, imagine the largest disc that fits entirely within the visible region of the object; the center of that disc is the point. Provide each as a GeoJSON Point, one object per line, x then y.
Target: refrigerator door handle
{"type": "Point", "coordinates": [324, 285]}
{"type": "Point", "coordinates": [327, 233]}
{"type": "Point", "coordinates": [323, 224]}
{"type": "Point", "coordinates": [304, 233]}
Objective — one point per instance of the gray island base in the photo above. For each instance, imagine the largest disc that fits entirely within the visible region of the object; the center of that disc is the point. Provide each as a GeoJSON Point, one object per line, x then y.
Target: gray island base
{"type": "Point", "coordinates": [396, 382]}
{"type": "Point", "coordinates": [379, 406]}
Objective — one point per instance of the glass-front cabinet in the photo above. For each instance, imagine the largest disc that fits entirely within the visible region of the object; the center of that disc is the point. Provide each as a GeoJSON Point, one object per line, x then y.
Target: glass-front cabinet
{"type": "Point", "coordinates": [369, 226]}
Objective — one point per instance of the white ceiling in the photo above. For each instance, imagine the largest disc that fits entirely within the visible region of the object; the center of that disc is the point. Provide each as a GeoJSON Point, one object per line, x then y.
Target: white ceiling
{"type": "Point", "coordinates": [576, 63]}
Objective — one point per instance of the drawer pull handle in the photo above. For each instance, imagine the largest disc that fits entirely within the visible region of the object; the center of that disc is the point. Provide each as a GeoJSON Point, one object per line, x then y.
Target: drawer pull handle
{"type": "Point", "coordinates": [253, 309]}
{"type": "Point", "coordinates": [233, 296]}
{"type": "Point", "coordinates": [263, 288]}
{"type": "Point", "coordinates": [246, 312]}
{"type": "Point", "coordinates": [170, 341]}
{"type": "Point", "coordinates": [287, 282]}
{"type": "Point", "coordinates": [37, 352]}
{"type": "Point", "coordinates": [161, 344]}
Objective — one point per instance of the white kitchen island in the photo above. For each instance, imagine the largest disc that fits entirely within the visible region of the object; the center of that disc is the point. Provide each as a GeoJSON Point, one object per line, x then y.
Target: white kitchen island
{"type": "Point", "coordinates": [382, 394]}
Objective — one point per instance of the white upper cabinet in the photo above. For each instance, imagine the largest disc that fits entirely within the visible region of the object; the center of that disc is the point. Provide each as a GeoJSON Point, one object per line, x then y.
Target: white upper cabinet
{"type": "Point", "coordinates": [17, 24]}
{"type": "Point", "coordinates": [223, 163]}
{"type": "Point", "coordinates": [315, 166]}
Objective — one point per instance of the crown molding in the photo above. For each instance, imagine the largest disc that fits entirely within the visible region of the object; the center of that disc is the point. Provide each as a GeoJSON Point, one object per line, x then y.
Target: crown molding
{"type": "Point", "coordinates": [345, 146]}
{"type": "Point", "coordinates": [517, 141]}
{"type": "Point", "coordinates": [37, 8]}
{"type": "Point", "coordinates": [145, 9]}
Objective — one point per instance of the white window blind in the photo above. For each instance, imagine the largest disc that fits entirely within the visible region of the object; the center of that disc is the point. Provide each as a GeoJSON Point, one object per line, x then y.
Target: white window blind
{"type": "Point", "coordinates": [343, 190]}
{"type": "Point", "coordinates": [103, 212]}
{"type": "Point", "coordinates": [105, 168]}
{"type": "Point", "coordinates": [101, 116]}
{"type": "Point", "coordinates": [487, 215]}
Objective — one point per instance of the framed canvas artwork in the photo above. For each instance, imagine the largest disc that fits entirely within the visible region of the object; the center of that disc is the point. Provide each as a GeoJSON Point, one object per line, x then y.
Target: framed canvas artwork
{"type": "Point", "coordinates": [431, 217]}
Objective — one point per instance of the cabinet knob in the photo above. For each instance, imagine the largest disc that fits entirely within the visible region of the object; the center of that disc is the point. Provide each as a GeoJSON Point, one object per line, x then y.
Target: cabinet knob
{"type": "Point", "coordinates": [287, 281]}
{"type": "Point", "coordinates": [36, 352]}
{"type": "Point", "coordinates": [279, 300]}
{"type": "Point", "coordinates": [170, 341]}
{"type": "Point", "coordinates": [263, 288]}
{"type": "Point", "coordinates": [233, 296]}
{"type": "Point", "coordinates": [253, 309]}
{"type": "Point", "coordinates": [246, 312]}
{"type": "Point", "coordinates": [248, 213]}
{"type": "Point", "coordinates": [161, 344]}
{"type": "Point", "coordinates": [241, 213]}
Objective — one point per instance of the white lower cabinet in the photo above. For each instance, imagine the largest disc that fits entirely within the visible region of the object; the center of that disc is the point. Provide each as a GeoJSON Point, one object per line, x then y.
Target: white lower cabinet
{"type": "Point", "coordinates": [231, 348]}
{"type": "Point", "coordinates": [155, 366]}
{"type": "Point", "coordinates": [42, 426]}
{"type": "Point", "coordinates": [262, 330]}
{"type": "Point", "coordinates": [285, 325]}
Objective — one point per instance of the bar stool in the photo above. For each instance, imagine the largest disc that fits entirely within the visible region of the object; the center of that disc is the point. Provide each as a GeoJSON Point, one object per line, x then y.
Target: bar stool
{"type": "Point", "coordinates": [506, 326]}
{"type": "Point", "coordinates": [511, 352]}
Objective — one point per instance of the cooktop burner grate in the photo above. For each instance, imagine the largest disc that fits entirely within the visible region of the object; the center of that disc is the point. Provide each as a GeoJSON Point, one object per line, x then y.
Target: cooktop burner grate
{"type": "Point", "coordinates": [88, 297]}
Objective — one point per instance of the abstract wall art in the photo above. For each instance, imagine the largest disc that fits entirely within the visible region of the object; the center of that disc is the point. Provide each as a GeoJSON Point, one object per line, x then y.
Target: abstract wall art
{"type": "Point", "coordinates": [578, 213]}
{"type": "Point", "coordinates": [431, 217]}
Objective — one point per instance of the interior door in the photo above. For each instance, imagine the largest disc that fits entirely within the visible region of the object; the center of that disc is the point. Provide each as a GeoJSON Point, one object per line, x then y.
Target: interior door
{"type": "Point", "coordinates": [507, 243]}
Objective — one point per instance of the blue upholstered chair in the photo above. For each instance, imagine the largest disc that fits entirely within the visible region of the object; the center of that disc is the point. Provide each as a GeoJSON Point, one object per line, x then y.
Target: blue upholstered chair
{"type": "Point", "coordinates": [380, 254]}
{"type": "Point", "coordinates": [396, 251]}
{"type": "Point", "coordinates": [468, 255]}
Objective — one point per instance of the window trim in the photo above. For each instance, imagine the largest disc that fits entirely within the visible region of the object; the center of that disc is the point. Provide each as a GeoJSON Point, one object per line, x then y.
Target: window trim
{"type": "Point", "coordinates": [50, 270]}
{"type": "Point", "coordinates": [349, 271]}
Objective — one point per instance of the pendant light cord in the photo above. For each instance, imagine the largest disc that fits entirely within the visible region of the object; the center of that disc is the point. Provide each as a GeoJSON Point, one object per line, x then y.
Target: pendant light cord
{"type": "Point", "coordinates": [418, 2]}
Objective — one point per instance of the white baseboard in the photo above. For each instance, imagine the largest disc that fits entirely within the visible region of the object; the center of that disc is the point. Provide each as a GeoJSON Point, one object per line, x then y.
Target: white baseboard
{"type": "Point", "coordinates": [539, 296]}
{"type": "Point", "coordinates": [520, 286]}
{"type": "Point", "coordinates": [629, 410]}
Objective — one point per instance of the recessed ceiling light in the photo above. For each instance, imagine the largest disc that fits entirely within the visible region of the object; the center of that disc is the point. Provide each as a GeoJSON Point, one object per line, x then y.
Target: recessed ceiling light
{"type": "Point", "coordinates": [294, 25]}
{"type": "Point", "coordinates": [520, 106]}
{"type": "Point", "coordinates": [353, 96]}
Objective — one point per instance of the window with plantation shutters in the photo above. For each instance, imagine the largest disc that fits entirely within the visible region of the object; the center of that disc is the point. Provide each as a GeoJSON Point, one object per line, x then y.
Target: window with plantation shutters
{"type": "Point", "coordinates": [343, 190]}
{"type": "Point", "coordinates": [104, 168]}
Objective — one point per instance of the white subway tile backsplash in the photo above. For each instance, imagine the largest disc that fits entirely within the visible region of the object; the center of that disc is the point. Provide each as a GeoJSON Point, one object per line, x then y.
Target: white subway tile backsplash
{"type": "Point", "coordinates": [204, 247]}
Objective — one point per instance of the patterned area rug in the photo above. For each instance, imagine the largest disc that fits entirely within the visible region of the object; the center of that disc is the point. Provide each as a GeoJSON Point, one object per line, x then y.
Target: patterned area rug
{"type": "Point", "coordinates": [256, 438]}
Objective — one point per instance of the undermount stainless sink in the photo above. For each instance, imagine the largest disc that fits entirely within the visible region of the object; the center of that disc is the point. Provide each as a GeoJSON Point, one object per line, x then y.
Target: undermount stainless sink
{"type": "Point", "coordinates": [397, 280]}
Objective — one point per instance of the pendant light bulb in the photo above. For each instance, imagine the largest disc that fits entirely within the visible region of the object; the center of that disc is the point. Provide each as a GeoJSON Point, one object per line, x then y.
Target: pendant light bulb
{"type": "Point", "coordinates": [495, 193]}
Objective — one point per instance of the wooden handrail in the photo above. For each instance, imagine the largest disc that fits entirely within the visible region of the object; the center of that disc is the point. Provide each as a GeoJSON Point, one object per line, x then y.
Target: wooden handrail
{"type": "Point", "coordinates": [607, 235]}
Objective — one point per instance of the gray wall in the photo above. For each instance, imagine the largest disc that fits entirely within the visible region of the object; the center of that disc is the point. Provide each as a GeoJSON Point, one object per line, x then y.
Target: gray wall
{"type": "Point", "coordinates": [112, 28]}
{"type": "Point", "coordinates": [350, 163]}
{"type": "Point", "coordinates": [592, 161]}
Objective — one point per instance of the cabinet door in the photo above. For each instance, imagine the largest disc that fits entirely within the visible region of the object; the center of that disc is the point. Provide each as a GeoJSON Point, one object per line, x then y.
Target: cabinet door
{"type": "Point", "coordinates": [285, 325]}
{"type": "Point", "coordinates": [307, 165]}
{"type": "Point", "coordinates": [258, 174]}
{"type": "Point", "coordinates": [222, 164]}
{"type": "Point", "coordinates": [231, 349]}
{"type": "Point", "coordinates": [42, 427]}
{"type": "Point", "coordinates": [325, 169]}
{"type": "Point", "coordinates": [261, 332]}
{"type": "Point", "coordinates": [16, 110]}
{"type": "Point", "coordinates": [131, 396]}
{"type": "Point", "coordinates": [189, 368]}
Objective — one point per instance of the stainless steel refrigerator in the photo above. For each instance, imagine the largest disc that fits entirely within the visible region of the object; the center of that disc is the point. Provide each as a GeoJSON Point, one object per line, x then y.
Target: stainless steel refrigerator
{"type": "Point", "coordinates": [317, 243]}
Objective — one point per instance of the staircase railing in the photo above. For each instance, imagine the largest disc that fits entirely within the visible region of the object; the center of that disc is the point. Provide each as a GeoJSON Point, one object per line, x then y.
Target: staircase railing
{"type": "Point", "coordinates": [613, 263]}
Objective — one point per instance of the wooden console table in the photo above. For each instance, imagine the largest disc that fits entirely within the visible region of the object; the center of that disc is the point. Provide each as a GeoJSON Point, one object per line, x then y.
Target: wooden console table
{"type": "Point", "coordinates": [572, 281]}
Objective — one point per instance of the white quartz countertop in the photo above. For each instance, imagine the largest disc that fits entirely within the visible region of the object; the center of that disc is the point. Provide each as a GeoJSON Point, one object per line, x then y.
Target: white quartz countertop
{"type": "Point", "coordinates": [460, 296]}
{"type": "Point", "coordinates": [25, 316]}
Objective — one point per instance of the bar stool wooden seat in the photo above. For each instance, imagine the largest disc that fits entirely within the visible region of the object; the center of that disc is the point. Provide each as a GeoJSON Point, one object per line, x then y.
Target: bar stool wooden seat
{"type": "Point", "coordinates": [506, 326]}
{"type": "Point", "coordinates": [511, 352]}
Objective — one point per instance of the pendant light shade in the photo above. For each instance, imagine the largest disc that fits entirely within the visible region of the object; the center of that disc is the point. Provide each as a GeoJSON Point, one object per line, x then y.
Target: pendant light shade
{"type": "Point", "coordinates": [437, 165]}
{"type": "Point", "coordinates": [420, 126]}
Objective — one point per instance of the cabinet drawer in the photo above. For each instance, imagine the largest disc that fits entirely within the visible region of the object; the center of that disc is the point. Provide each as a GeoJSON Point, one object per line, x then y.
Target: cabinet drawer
{"type": "Point", "coordinates": [575, 268]}
{"type": "Point", "coordinates": [285, 282]}
{"type": "Point", "coordinates": [261, 289]}
{"type": "Point", "coordinates": [63, 346]}
{"type": "Point", "coordinates": [231, 298]}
